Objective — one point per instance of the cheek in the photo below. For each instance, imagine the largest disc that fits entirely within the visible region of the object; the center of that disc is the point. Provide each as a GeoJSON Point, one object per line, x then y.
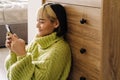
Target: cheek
{"type": "Point", "coordinates": [48, 29]}
{"type": "Point", "coordinates": [37, 25]}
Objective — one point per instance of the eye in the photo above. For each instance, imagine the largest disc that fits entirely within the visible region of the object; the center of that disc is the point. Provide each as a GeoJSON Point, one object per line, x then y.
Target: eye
{"type": "Point", "coordinates": [41, 21]}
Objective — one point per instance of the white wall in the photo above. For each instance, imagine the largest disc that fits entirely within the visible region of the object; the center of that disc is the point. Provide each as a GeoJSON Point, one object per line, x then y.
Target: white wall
{"type": "Point", "coordinates": [33, 6]}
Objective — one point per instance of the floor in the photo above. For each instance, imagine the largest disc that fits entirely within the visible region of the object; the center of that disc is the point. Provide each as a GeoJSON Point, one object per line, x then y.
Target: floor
{"type": "Point", "coordinates": [3, 54]}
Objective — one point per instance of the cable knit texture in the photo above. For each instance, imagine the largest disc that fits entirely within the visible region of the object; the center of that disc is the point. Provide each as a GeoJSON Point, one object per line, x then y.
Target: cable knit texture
{"type": "Point", "coordinates": [47, 58]}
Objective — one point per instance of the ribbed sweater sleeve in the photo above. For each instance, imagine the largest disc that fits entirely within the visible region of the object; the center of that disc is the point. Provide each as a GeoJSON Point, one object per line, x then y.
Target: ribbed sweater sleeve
{"type": "Point", "coordinates": [45, 69]}
{"type": "Point", "coordinates": [49, 68]}
{"type": "Point", "coordinates": [22, 69]}
{"type": "Point", "coordinates": [52, 63]}
{"type": "Point", "coordinates": [11, 59]}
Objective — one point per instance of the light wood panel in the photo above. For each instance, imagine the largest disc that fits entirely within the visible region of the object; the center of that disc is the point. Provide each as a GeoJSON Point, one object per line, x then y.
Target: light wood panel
{"type": "Point", "coordinates": [91, 30]}
{"type": "Point", "coordinates": [91, 57]}
{"type": "Point", "coordinates": [92, 3]}
{"type": "Point", "coordinates": [92, 15]}
{"type": "Point", "coordinates": [111, 40]}
{"type": "Point", "coordinates": [87, 63]}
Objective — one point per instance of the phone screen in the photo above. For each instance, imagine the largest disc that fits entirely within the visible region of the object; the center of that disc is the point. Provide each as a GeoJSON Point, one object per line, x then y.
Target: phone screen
{"type": "Point", "coordinates": [8, 28]}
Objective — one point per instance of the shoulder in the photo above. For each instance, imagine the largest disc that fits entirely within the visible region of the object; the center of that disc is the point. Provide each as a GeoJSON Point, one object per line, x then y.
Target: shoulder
{"type": "Point", "coordinates": [61, 46]}
{"type": "Point", "coordinates": [61, 43]}
{"type": "Point", "coordinates": [60, 51]}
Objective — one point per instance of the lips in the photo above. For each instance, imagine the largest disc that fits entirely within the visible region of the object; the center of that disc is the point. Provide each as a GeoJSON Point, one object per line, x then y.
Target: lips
{"type": "Point", "coordinates": [39, 30]}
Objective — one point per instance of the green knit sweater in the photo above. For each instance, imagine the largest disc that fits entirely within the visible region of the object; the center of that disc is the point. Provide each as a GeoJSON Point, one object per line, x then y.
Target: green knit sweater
{"type": "Point", "coordinates": [47, 58]}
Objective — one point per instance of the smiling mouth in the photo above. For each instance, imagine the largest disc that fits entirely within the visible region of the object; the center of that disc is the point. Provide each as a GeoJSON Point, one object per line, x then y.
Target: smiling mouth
{"type": "Point", "coordinates": [39, 30]}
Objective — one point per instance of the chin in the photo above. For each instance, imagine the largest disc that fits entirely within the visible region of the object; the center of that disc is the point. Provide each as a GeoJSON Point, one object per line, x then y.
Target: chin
{"type": "Point", "coordinates": [41, 34]}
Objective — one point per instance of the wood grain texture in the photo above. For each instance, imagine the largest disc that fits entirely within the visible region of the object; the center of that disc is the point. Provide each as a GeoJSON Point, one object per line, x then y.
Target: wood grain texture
{"type": "Point", "coordinates": [86, 36]}
{"type": "Point", "coordinates": [91, 30]}
{"type": "Point", "coordinates": [111, 40]}
{"type": "Point", "coordinates": [92, 3]}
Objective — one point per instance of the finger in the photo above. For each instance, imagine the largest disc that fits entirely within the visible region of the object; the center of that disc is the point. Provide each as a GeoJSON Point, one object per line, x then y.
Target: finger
{"type": "Point", "coordinates": [8, 34]}
{"type": "Point", "coordinates": [22, 41]}
{"type": "Point", "coordinates": [8, 37]}
{"type": "Point", "coordinates": [8, 41]}
{"type": "Point", "coordinates": [15, 35]}
{"type": "Point", "coordinates": [14, 38]}
{"type": "Point", "coordinates": [7, 44]}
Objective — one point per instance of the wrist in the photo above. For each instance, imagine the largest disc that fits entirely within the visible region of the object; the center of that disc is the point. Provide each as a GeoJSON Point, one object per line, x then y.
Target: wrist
{"type": "Point", "coordinates": [22, 53]}
{"type": "Point", "coordinates": [20, 57]}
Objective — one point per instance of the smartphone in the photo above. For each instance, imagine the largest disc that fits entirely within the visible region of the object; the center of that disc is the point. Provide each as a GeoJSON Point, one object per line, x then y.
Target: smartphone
{"type": "Point", "coordinates": [8, 29]}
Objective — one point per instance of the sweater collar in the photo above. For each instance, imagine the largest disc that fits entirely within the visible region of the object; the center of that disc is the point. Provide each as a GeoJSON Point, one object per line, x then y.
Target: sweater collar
{"type": "Point", "coordinates": [48, 40]}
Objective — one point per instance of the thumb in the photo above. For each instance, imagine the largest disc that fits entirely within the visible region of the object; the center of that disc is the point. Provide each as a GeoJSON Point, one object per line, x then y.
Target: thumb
{"type": "Point", "coordinates": [15, 35]}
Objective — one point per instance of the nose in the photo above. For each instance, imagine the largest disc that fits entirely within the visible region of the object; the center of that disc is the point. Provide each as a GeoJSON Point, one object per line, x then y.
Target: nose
{"type": "Point", "coordinates": [37, 24]}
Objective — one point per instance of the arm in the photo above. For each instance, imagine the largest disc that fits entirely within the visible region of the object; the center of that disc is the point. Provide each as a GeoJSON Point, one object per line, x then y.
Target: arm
{"type": "Point", "coordinates": [11, 59]}
{"type": "Point", "coordinates": [45, 68]}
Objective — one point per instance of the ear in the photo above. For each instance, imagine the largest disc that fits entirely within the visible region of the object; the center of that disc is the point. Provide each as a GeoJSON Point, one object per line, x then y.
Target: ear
{"type": "Point", "coordinates": [56, 24]}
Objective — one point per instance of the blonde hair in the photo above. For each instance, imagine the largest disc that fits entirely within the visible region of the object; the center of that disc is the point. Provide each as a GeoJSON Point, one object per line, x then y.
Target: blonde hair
{"type": "Point", "coordinates": [54, 12]}
{"type": "Point", "coordinates": [46, 11]}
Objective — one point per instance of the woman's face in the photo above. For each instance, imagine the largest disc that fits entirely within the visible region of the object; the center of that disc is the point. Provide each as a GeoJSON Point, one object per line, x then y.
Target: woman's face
{"type": "Point", "coordinates": [45, 26]}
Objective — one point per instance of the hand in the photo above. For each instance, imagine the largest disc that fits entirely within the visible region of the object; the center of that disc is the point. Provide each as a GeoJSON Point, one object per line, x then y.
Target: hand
{"type": "Point", "coordinates": [15, 44]}
{"type": "Point", "coordinates": [8, 41]}
{"type": "Point", "coordinates": [18, 45]}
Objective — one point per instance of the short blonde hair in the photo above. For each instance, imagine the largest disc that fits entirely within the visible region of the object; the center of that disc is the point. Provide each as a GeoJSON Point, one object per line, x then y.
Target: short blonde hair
{"type": "Point", "coordinates": [46, 11]}
{"type": "Point", "coordinates": [54, 11]}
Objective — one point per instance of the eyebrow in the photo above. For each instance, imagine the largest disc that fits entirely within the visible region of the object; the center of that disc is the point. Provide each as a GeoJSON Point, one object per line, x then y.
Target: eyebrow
{"type": "Point", "coordinates": [40, 19]}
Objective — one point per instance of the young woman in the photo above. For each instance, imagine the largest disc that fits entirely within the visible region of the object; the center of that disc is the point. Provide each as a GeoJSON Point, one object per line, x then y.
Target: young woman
{"type": "Point", "coordinates": [48, 57]}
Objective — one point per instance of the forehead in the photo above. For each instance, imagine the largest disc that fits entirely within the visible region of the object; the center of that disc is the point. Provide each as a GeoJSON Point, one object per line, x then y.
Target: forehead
{"type": "Point", "coordinates": [46, 12]}
{"type": "Point", "coordinates": [42, 14]}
